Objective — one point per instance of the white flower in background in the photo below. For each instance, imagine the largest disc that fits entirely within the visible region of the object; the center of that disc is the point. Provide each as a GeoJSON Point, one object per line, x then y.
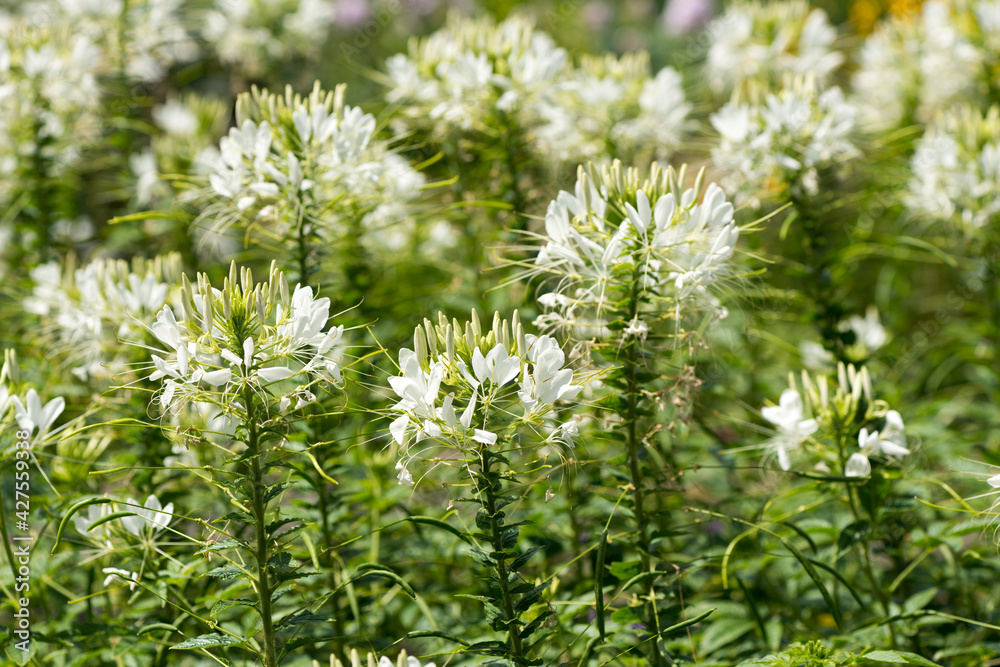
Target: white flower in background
{"type": "Point", "coordinates": [793, 427]}
{"type": "Point", "coordinates": [87, 311]}
{"type": "Point", "coordinates": [254, 35]}
{"type": "Point", "coordinates": [468, 73]}
{"type": "Point", "coordinates": [481, 403]}
{"type": "Point", "coordinates": [140, 38]}
{"type": "Point", "coordinates": [82, 522]}
{"type": "Point", "coordinates": [410, 662]}
{"type": "Point", "coordinates": [114, 574]}
{"type": "Point", "coordinates": [909, 70]}
{"type": "Point", "coordinates": [786, 138]}
{"type": "Point", "coordinates": [956, 169]}
{"type": "Point", "coordinates": [323, 173]}
{"type": "Point", "coordinates": [34, 417]}
{"type": "Point", "coordinates": [612, 99]}
{"type": "Point", "coordinates": [50, 101]}
{"type": "Point", "coordinates": [681, 241]}
{"type": "Point", "coordinates": [764, 41]}
{"type": "Point", "coordinates": [149, 517]}
{"type": "Point", "coordinates": [815, 357]}
{"type": "Point", "coordinates": [889, 443]}
{"type": "Point", "coordinates": [868, 331]}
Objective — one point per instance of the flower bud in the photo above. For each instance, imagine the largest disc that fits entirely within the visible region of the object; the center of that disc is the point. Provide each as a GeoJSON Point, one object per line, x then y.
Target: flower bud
{"type": "Point", "coordinates": [432, 340]}
{"type": "Point", "coordinates": [233, 282]}
{"type": "Point", "coordinates": [10, 373]}
{"type": "Point", "coordinates": [420, 345]}
{"type": "Point", "coordinates": [449, 344]}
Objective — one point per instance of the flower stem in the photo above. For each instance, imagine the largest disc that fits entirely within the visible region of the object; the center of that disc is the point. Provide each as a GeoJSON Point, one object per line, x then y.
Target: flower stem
{"type": "Point", "coordinates": [630, 367]}
{"type": "Point", "coordinates": [496, 540]}
{"type": "Point", "coordinates": [260, 527]}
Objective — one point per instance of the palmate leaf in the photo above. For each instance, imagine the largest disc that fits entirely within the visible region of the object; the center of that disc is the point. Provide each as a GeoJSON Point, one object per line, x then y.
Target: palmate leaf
{"type": "Point", "coordinates": [208, 641]}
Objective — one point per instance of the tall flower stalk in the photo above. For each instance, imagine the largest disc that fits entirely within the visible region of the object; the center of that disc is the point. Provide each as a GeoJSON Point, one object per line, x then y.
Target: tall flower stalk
{"type": "Point", "coordinates": [257, 353]}
{"type": "Point", "coordinates": [501, 387]}
{"type": "Point", "coordinates": [630, 261]}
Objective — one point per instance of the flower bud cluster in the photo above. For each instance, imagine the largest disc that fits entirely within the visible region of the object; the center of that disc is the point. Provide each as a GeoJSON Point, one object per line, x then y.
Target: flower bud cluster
{"type": "Point", "coordinates": [616, 229]}
{"type": "Point", "coordinates": [840, 414]}
{"type": "Point", "coordinates": [245, 335]}
{"type": "Point", "coordinates": [493, 382]}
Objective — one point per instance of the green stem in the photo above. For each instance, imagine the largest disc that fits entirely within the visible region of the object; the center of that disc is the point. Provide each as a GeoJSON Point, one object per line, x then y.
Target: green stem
{"type": "Point", "coordinates": [260, 527]}
{"type": "Point", "coordinates": [503, 573]}
{"type": "Point", "coordinates": [630, 367]}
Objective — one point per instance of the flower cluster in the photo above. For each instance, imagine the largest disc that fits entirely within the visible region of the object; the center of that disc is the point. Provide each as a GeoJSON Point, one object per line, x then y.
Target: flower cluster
{"type": "Point", "coordinates": [676, 242]}
{"type": "Point", "coordinates": [86, 311]}
{"type": "Point", "coordinates": [141, 39]}
{"type": "Point", "coordinates": [494, 383]}
{"type": "Point", "coordinates": [245, 336]}
{"type": "Point", "coordinates": [49, 102]}
{"type": "Point", "coordinates": [254, 34]}
{"type": "Point", "coordinates": [841, 416]}
{"type": "Point", "coordinates": [402, 660]}
{"type": "Point", "coordinates": [956, 169]}
{"type": "Point", "coordinates": [764, 41]}
{"type": "Point", "coordinates": [909, 70]}
{"type": "Point", "coordinates": [472, 74]}
{"type": "Point", "coordinates": [309, 167]}
{"type": "Point", "coordinates": [786, 138]}
{"type": "Point", "coordinates": [184, 127]}
{"type": "Point", "coordinates": [612, 100]}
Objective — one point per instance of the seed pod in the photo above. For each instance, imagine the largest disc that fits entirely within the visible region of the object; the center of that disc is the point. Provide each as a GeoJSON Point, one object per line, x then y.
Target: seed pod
{"type": "Point", "coordinates": [420, 344]}
{"type": "Point", "coordinates": [449, 344]}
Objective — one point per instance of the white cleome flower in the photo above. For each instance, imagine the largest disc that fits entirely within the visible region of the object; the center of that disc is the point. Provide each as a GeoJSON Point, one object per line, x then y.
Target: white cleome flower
{"type": "Point", "coordinates": [680, 245]}
{"type": "Point", "coordinates": [151, 516]}
{"type": "Point", "coordinates": [909, 70]}
{"type": "Point", "coordinates": [793, 428]}
{"type": "Point", "coordinates": [786, 139]}
{"type": "Point", "coordinates": [764, 41]}
{"type": "Point", "coordinates": [889, 443]}
{"type": "Point", "coordinates": [956, 169]}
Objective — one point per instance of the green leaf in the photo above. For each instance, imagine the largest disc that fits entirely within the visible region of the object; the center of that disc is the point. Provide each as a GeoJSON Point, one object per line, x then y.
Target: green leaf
{"type": "Point", "coordinates": [221, 545]}
{"type": "Point", "coordinates": [626, 615]}
{"type": "Point", "coordinates": [225, 572]}
{"type": "Point", "coordinates": [223, 605]}
{"type": "Point", "coordinates": [724, 632]}
{"type": "Point", "coordinates": [899, 657]}
{"type": "Point", "coordinates": [438, 523]}
{"type": "Point", "coordinates": [387, 574]}
{"type": "Point", "coordinates": [852, 534]}
{"type": "Point", "coordinates": [300, 618]}
{"type": "Point", "coordinates": [602, 550]}
{"type": "Point", "coordinates": [208, 641]}
{"type": "Point", "coordinates": [235, 515]}
{"type": "Point", "coordinates": [626, 569]}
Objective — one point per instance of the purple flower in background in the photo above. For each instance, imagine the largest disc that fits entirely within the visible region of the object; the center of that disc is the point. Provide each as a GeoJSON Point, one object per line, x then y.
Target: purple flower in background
{"type": "Point", "coordinates": [684, 16]}
{"type": "Point", "coordinates": [352, 13]}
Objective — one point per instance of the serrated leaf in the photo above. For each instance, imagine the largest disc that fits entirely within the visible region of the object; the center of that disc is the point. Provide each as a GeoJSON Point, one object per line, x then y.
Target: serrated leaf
{"type": "Point", "coordinates": [225, 572]}
{"type": "Point", "coordinates": [221, 545]}
{"type": "Point", "coordinates": [207, 641]}
{"type": "Point", "coordinates": [300, 618]}
{"type": "Point", "coordinates": [235, 515]}
{"type": "Point", "coordinates": [222, 605]}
